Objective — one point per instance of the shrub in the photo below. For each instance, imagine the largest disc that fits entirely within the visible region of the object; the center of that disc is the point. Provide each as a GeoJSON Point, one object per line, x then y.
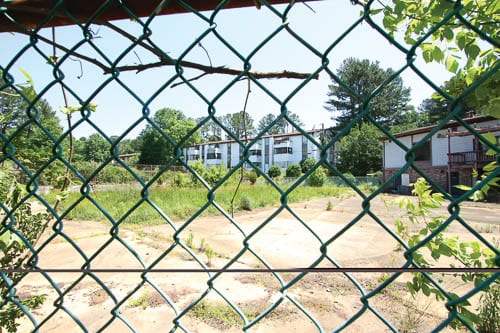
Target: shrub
{"type": "Point", "coordinates": [13, 249]}
{"type": "Point", "coordinates": [317, 178]}
{"type": "Point", "coordinates": [293, 170]}
{"type": "Point", "coordinates": [252, 177]}
{"type": "Point", "coordinates": [199, 168]}
{"type": "Point", "coordinates": [350, 177]}
{"type": "Point", "coordinates": [307, 164]}
{"type": "Point", "coordinates": [214, 174]}
{"type": "Point", "coordinates": [180, 179]}
{"type": "Point", "coordinates": [274, 171]}
{"type": "Point", "coordinates": [245, 203]}
{"type": "Point", "coordinates": [112, 174]}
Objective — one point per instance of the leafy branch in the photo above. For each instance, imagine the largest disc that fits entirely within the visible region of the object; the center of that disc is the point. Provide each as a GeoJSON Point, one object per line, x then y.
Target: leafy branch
{"type": "Point", "coordinates": [471, 254]}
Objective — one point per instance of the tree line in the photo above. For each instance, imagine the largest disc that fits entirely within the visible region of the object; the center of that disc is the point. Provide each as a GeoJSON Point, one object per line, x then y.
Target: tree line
{"type": "Point", "coordinates": [34, 133]}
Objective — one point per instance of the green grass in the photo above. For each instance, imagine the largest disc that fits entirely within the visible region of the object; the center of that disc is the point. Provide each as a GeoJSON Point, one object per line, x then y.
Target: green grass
{"type": "Point", "coordinates": [182, 202]}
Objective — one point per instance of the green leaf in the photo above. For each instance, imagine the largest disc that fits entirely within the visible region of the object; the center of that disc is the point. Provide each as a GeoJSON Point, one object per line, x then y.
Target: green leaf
{"type": "Point", "coordinates": [5, 240]}
{"type": "Point", "coordinates": [463, 187]}
{"type": "Point", "coordinates": [31, 83]}
{"type": "Point", "coordinates": [472, 51]}
{"type": "Point", "coordinates": [376, 11]}
{"type": "Point", "coordinates": [451, 64]}
{"type": "Point", "coordinates": [461, 40]}
{"type": "Point", "coordinates": [437, 54]}
{"type": "Point", "coordinates": [448, 34]}
{"type": "Point", "coordinates": [490, 166]}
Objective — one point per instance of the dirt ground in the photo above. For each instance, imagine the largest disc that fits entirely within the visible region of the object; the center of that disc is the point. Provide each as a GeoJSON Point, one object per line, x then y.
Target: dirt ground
{"type": "Point", "coordinates": [280, 241]}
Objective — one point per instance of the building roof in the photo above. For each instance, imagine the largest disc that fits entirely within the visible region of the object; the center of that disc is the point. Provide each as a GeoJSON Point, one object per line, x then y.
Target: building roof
{"type": "Point", "coordinates": [261, 137]}
{"type": "Point", "coordinates": [451, 124]}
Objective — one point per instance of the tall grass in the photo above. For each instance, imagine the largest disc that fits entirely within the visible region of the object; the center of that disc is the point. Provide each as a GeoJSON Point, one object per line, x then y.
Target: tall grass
{"type": "Point", "coordinates": [181, 202]}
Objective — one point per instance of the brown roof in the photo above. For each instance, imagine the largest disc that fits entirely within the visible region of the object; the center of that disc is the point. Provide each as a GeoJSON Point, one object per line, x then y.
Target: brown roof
{"type": "Point", "coordinates": [278, 135]}
{"type": "Point", "coordinates": [451, 124]}
{"type": "Point", "coordinates": [30, 13]}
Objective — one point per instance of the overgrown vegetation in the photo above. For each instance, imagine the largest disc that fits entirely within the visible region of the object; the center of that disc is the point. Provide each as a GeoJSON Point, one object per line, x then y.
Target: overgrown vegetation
{"type": "Point", "coordinates": [489, 311]}
{"type": "Point", "coordinates": [182, 202]}
{"type": "Point", "coordinates": [471, 254]}
{"type": "Point", "coordinates": [20, 228]}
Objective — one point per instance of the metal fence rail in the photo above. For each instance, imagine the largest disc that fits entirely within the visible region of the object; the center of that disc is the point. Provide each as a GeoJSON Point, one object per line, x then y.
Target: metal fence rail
{"type": "Point", "coordinates": [142, 272]}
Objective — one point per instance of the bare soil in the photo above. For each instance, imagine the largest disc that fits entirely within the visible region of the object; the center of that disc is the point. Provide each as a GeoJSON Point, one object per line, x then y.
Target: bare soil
{"type": "Point", "coordinates": [267, 238]}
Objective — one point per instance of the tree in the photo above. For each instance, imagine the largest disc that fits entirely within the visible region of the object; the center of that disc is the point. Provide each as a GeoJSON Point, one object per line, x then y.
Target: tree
{"type": "Point", "coordinates": [155, 148]}
{"type": "Point", "coordinates": [32, 130]}
{"type": "Point", "coordinates": [281, 125]}
{"type": "Point", "coordinates": [96, 148]}
{"type": "Point", "coordinates": [436, 108]}
{"type": "Point", "coordinates": [210, 131]}
{"type": "Point", "coordinates": [363, 77]}
{"type": "Point", "coordinates": [360, 151]}
{"type": "Point", "coordinates": [239, 124]}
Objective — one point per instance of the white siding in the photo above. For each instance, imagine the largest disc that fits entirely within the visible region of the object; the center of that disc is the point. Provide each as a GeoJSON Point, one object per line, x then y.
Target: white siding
{"type": "Point", "coordinates": [394, 155]}
{"type": "Point", "coordinates": [439, 149]}
{"type": "Point", "coordinates": [283, 160]}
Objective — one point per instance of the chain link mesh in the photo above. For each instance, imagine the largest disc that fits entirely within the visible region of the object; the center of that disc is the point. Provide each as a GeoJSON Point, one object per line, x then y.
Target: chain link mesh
{"type": "Point", "coordinates": [147, 276]}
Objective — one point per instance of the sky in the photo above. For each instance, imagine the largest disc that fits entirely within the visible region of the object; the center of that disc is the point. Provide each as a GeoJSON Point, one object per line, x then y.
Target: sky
{"type": "Point", "coordinates": [122, 101]}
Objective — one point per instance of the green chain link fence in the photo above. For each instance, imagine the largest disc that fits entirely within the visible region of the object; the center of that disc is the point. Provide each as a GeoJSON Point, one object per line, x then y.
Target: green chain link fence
{"type": "Point", "coordinates": [22, 266]}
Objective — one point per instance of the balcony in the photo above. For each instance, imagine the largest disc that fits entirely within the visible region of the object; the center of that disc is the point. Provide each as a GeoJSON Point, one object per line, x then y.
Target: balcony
{"type": "Point", "coordinates": [282, 142]}
{"type": "Point", "coordinates": [214, 156]}
{"type": "Point", "coordinates": [470, 158]}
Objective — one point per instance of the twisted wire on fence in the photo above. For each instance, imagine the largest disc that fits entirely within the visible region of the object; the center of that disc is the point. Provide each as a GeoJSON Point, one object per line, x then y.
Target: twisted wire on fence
{"type": "Point", "coordinates": [146, 271]}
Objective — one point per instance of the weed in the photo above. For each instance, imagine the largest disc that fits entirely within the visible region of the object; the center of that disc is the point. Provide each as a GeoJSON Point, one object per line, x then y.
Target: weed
{"type": "Point", "coordinates": [329, 206]}
{"type": "Point", "coordinates": [189, 240]}
{"type": "Point", "coordinates": [202, 246]}
{"type": "Point", "coordinates": [141, 301]}
{"type": "Point", "coordinates": [210, 253]}
{"type": "Point", "coordinates": [221, 316]}
{"type": "Point", "coordinates": [489, 310]}
{"type": "Point", "coordinates": [413, 316]}
{"type": "Point", "coordinates": [382, 278]}
{"type": "Point", "coordinates": [486, 228]}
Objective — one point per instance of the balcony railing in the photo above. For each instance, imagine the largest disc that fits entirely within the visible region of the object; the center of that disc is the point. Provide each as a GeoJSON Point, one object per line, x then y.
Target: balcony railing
{"type": "Point", "coordinates": [214, 156]}
{"type": "Point", "coordinates": [470, 157]}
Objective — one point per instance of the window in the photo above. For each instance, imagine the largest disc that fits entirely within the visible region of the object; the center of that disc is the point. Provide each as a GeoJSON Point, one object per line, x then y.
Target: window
{"type": "Point", "coordinates": [283, 150]}
{"type": "Point", "coordinates": [255, 152]}
{"type": "Point", "coordinates": [424, 152]}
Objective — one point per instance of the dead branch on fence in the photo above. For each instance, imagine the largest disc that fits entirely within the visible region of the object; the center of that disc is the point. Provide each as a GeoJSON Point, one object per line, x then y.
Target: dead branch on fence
{"type": "Point", "coordinates": [167, 61]}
